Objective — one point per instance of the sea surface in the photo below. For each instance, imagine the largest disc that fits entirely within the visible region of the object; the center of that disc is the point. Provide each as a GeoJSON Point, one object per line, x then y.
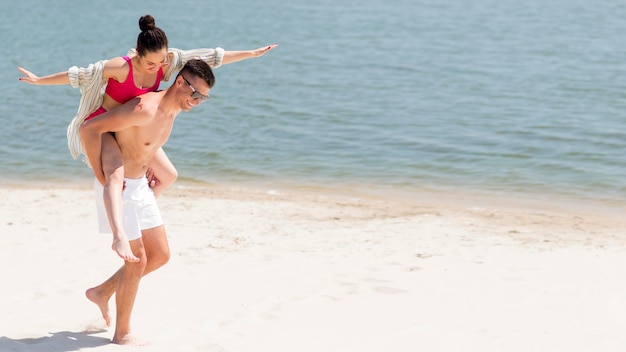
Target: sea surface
{"type": "Point", "coordinates": [525, 99]}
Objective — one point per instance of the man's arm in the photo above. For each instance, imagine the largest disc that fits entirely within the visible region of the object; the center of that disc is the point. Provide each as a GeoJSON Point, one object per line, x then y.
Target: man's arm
{"type": "Point", "coordinates": [128, 115]}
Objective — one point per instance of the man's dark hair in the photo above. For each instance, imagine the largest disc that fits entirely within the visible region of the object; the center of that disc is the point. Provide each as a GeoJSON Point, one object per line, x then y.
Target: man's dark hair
{"type": "Point", "coordinates": [199, 69]}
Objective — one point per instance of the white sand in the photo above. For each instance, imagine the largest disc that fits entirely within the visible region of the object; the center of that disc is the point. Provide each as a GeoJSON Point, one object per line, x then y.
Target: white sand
{"type": "Point", "coordinates": [266, 272]}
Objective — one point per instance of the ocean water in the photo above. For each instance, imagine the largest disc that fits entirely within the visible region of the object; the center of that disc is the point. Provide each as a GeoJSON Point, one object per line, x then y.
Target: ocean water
{"type": "Point", "coordinates": [522, 99]}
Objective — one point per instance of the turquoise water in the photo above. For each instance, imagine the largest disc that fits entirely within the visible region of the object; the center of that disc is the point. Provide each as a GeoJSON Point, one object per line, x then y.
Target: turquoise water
{"type": "Point", "coordinates": [521, 98]}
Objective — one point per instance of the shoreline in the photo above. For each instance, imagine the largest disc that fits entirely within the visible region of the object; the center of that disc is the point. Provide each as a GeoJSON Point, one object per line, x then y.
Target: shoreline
{"type": "Point", "coordinates": [546, 222]}
{"type": "Point", "coordinates": [444, 197]}
{"type": "Point", "coordinates": [477, 212]}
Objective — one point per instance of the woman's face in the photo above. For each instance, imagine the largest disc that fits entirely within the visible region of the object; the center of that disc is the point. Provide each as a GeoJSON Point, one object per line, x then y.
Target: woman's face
{"type": "Point", "coordinates": [154, 60]}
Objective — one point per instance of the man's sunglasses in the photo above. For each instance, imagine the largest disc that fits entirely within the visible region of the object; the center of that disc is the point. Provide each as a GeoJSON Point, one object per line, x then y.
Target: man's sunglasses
{"type": "Point", "coordinates": [195, 94]}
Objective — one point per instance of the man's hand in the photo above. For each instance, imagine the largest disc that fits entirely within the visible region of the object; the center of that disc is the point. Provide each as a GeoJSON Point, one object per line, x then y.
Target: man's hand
{"type": "Point", "coordinates": [153, 181]}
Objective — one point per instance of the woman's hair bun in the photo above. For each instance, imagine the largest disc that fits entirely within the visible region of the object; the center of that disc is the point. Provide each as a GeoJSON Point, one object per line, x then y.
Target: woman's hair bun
{"type": "Point", "coordinates": [146, 23]}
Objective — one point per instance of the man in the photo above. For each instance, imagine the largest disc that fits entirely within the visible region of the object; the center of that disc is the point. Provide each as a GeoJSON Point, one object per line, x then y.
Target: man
{"type": "Point", "coordinates": [141, 127]}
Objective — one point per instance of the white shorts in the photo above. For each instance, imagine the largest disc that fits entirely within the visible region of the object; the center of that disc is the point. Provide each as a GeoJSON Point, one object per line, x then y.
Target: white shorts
{"type": "Point", "coordinates": [139, 208]}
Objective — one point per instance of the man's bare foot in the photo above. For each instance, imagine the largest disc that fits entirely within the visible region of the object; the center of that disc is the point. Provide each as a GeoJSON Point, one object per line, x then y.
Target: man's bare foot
{"type": "Point", "coordinates": [102, 303]}
{"type": "Point", "coordinates": [129, 340]}
{"type": "Point", "coordinates": [122, 248]}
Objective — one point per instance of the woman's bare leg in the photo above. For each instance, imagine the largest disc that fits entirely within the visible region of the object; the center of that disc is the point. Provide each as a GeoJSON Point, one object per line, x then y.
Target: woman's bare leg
{"type": "Point", "coordinates": [113, 168]}
{"type": "Point", "coordinates": [162, 173]}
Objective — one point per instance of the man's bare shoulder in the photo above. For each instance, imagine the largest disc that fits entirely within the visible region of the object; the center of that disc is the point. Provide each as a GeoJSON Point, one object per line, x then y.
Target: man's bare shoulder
{"type": "Point", "coordinates": [146, 104]}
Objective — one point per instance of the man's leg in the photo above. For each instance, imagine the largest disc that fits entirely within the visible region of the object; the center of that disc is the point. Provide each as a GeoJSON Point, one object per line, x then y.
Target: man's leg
{"type": "Point", "coordinates": [157, 253]}
{"type": "Point", "coordinates": [128, 285]}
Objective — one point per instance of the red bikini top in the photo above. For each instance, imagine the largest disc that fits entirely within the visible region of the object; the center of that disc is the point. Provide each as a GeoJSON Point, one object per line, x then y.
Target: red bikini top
{"type": "Point", "coordinates": [122, 92]}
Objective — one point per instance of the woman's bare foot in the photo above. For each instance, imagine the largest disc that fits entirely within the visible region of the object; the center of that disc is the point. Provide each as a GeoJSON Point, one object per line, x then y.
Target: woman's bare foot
{"type": "Point", "coordinates": [102, 303]}
{"type": "Point", "coordinates": [122, 248]}
{"type": "Point", "coordinates": [129, 340]}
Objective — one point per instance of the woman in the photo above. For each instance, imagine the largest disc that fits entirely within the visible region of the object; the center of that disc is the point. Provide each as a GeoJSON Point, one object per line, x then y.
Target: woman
{"type": "Point", "coordinates": [125, 78]}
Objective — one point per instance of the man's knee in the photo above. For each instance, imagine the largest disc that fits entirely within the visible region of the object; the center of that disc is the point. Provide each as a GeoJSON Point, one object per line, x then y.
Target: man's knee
{"type": "Point", "coordinates": [162, 258]}
{"type": "Point", "coordinates": [136, 269]}
{"type": "Point", "coordinates": [139, 252]}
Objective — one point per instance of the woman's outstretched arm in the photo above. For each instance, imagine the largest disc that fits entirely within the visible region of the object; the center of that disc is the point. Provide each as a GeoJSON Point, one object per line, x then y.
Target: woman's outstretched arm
{"type": "Point", "coordinates": [49, 80]}
{"type": "Point", "coordinates": [234, 56]}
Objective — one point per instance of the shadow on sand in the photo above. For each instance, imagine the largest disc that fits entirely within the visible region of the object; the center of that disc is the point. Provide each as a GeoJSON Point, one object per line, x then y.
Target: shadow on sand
{"type": "Point", "coordinates": [63, 341]}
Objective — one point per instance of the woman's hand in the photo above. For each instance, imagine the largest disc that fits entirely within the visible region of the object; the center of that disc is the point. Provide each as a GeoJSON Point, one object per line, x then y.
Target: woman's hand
{"type": "Point", "coordinates": [29, 77]}
{"type": "Point", "coordinates": [54, 79]}
{"type": "Point", "coordinates": [261, 51]}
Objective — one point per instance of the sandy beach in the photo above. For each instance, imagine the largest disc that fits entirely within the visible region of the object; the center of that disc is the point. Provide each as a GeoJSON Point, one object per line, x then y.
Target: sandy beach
{"type": "Point", "coordinates": [280, 271]}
